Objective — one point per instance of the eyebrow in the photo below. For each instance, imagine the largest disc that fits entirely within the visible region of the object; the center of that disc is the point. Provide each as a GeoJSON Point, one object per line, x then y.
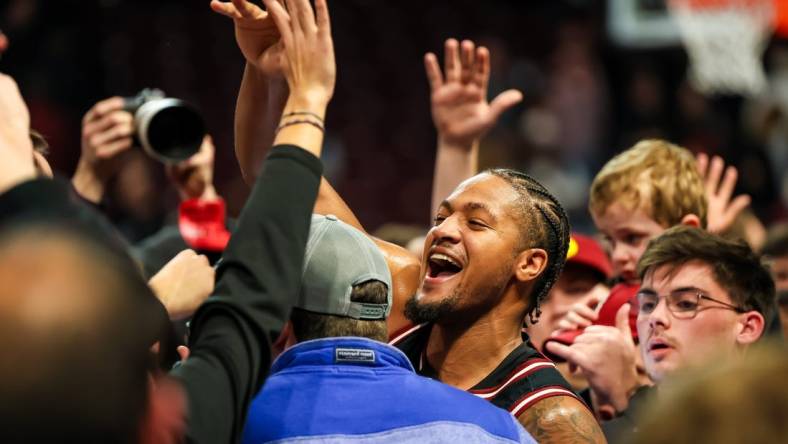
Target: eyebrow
{"type": "Point", "coordinates": [652, 292]}
{"type": "Point", "coordinates": [471, 206]}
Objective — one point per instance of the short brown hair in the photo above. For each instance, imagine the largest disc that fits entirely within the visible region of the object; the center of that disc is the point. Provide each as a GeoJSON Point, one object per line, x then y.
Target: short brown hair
{"type": "Point", "coordinates": [308, 325]}
{"type": "Point", "coordinates": [655, 175]}
{"type": "Point", "coordinates": [733, 263]}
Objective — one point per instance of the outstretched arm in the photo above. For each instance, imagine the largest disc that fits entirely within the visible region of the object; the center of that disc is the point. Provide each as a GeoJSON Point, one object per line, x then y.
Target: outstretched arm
{"type": "Point", "coordinates": [260, 272]}
{"type": "Point", "coordinates": [264, 90]}
{"type": "Point", "coordinates": [460, 112]}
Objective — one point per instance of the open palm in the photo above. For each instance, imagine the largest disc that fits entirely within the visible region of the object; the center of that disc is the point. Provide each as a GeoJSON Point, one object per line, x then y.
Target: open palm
{"type": "Point", "coordinates": [460, 109]}
{"type": "Point", "coordinates": [256, 34]}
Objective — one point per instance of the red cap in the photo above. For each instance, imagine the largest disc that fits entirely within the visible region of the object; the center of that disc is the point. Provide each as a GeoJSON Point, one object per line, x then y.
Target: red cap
{"type": "Point", "coordinates": [201, 224]}
{"type": "Point", "coordinates": [584, 250]}
{"type": "Point", "coordinates": [619, 295]}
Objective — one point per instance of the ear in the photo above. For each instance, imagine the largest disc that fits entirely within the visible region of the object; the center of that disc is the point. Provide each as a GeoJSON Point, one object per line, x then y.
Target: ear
{"type": "Point", "coordinates": [751, 325]}
{"type": "Point", "coordinates": [530, 264]}
{"type": "Point", "coordinates": [691, 220]}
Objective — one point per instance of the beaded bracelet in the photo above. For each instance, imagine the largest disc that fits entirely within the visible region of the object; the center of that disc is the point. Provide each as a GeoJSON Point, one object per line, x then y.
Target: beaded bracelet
{"type": "Point", "coordinates": [303, 113]}
{"type": "Point", "coordinates": [298, 122]}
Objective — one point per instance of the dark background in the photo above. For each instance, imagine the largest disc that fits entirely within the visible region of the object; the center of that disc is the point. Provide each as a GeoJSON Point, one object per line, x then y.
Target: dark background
{"type": "Point", "coordinates": [586, 97]}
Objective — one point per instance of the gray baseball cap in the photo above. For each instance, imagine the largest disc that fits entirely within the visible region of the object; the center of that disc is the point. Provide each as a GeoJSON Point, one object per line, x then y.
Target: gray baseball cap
{"type": "Point", "coordinates": [337, 258]}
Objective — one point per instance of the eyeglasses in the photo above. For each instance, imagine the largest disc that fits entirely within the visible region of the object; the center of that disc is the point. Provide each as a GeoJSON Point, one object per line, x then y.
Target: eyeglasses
{"type": "Point", "coordinates": [682, 303]}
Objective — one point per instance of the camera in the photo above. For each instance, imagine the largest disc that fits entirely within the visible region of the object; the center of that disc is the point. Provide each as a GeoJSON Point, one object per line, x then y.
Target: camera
{"type": "Point", "coordinates": [169, 130]}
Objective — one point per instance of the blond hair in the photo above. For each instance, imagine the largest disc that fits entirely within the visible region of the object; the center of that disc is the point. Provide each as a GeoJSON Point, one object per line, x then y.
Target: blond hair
{"type": "Point", "coordinates": [656, 176]}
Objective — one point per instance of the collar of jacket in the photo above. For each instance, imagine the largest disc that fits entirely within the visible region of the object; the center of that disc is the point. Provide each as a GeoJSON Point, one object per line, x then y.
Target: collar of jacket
{"type": "Point", "coordinates": [342, 351]}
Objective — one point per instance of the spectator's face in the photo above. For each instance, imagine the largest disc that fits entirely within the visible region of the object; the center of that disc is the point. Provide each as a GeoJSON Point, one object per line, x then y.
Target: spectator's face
{"type": "Point", "coordinates": [669, 343]}
{"type": "Point", "coordinates": [576, 284]}
{"type": "Point", "coordinates": [627, 233]}
{"type": "Point", "coordinates": [469, 254]}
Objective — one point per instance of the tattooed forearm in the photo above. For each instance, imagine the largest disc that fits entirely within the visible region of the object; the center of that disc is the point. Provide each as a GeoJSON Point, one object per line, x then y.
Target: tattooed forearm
{"type": "Point", "coordinates": [561, 419]}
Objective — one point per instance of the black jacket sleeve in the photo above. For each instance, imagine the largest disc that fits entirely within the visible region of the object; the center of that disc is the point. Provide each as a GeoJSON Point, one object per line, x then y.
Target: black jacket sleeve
{"type": "Point", "coordinates": [258, 278]}
{"type": "Point", "coordinates": [53, 201]}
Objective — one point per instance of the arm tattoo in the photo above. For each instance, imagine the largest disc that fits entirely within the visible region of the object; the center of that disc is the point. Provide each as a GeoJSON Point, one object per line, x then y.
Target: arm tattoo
{"type": "Point", "coordinates": [561, 419]}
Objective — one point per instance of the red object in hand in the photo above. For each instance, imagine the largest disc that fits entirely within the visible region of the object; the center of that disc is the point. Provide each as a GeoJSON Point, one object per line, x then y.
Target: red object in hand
{"type": "Point", "coordinates": [619, 295]}
{"type": "Point", "coordinates": [202, 226]}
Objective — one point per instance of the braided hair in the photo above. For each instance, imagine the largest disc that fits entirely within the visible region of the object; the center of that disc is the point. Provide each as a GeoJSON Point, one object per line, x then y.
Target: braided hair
{"type": "Point", "coordinates": [544, 225]}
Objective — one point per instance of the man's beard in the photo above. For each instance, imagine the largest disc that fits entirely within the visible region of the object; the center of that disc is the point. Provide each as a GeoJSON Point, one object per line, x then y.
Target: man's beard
{"type": "Point", "coordinates": [420, 312]}
{"type": "Point", "coordinates": [448, 308]}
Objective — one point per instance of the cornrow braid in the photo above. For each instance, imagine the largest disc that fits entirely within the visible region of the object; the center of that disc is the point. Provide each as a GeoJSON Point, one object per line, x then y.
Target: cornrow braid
{"type": "Point", "coordinates": [550, 231]}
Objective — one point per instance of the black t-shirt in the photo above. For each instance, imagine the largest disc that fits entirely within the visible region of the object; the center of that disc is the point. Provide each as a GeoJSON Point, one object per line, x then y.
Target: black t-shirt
{"type": "Point", "coordinates": [523, 378]}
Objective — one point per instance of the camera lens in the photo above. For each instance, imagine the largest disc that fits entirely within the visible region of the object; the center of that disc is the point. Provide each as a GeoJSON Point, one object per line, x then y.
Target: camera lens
{"type": "Point", "coordinates": [169, 129]}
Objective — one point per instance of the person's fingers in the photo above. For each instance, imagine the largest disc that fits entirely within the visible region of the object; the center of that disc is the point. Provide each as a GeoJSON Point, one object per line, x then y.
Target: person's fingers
{"type": "Point", "coordinates": [304, 14]}
{"type": "Point", "coordinates": [433, 69]}
{"type": "Point", "coordinates": [225, 9]}
{"type": "Point", "coordinates": [183, 352]}
{"type": "Point", "coordinates": [105, 123]}
{"type": "Point", "coordinates": [577, 320]}
{"type": "Point", "coordinates": [104, 107]}
{"type": "Point", "coordinates": [702, 160]}
{"type": "Point", "coordinates": [568, 353]}
{"type": "Point", "coordinates": [467, 56]}
{"type": "Point", "coordinates": [451, 61]}
{"type": "Point", "coordinates": [715, 172]}
{"type": "Point", "coordinates": [728, 183]}
{"type": "Point", "coordinates": [116, 131]}
{"type": "Point", "coordinates": [113, 148]}
{"type": "Point", "coordinates": [622, 323]}
{"type": "Point", "coordinates": [481, 71]}
{"type": "Point", "coordinates": [244, 8]}
{"type": "Point", "coordinates": [281, 20]}
{"type": "Point", "coordinates": [597, 330]}
{"type": "Point", "coordinates": [564, 324]}
{"type": "Point", "coordinates": [322, 16]}
{"type": "Point", "coordinates": [504, 101]}
{"type": "Point", "coordinates": [585, 311]}
{"type": "Point", "coordinates": [738, 205]}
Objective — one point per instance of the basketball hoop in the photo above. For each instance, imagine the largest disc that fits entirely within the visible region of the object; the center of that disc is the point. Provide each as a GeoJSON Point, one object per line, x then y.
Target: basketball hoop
{"type": "Point", "coordinates": [725, 40]}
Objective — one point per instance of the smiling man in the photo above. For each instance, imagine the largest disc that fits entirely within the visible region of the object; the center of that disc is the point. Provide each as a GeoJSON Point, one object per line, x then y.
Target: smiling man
{"type": "Point", "coordinates": [498, 245]}
{"type": "Point", "coordinates": [701, 296]}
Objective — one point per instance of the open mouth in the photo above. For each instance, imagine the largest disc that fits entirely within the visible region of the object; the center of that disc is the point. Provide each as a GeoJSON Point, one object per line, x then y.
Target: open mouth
{"type": "Point", "coordinates": [442, 266]}
{"type": "Point", "coordinates": [658, 346]}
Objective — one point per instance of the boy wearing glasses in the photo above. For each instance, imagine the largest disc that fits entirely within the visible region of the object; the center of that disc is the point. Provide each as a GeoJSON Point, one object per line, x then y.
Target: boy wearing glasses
{"type": "Point", "coordinates": [701, 296]}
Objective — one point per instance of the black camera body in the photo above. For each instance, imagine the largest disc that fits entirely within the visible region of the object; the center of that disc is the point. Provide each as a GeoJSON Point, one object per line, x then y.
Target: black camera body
{"type": "Point", "coordinates": [169, 130]}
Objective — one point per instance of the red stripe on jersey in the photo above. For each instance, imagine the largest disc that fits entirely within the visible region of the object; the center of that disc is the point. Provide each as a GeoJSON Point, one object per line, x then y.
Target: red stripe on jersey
{"type": "Point", "coordinates": [530, 399]}
{"type": "Point", "coordinates": [403, 333]}
{"type": "Point", "coordinates": [520, 372]}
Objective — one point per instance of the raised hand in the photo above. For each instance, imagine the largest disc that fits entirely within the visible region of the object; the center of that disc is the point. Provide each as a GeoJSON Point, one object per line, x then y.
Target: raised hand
{"type": "Point", "coordinates": [107, 131]}
{"type": "Point", "coordinates": [306, 35]}
{"type": "Point", "coordinates": [194, 176]}
{"type": "Point", "coordinates": [16, 148]}
{"type": "Point", "coordinates": [256, 34]}
{"type": "Point", "coordinates": [722, 211]}
{"type": "Point", "coordinates": [460, 109]}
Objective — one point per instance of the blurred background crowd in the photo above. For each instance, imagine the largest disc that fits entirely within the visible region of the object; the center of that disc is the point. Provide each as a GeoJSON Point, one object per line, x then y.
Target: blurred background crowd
{"type": "Point", "coordinates": [588, 95]}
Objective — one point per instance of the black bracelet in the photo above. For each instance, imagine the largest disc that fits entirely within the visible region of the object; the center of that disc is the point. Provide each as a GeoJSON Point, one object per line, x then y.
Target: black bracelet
{"type": "Point", "coordinates": [303, 113]}
{"type": "Point", "coordinates": [298, 122]}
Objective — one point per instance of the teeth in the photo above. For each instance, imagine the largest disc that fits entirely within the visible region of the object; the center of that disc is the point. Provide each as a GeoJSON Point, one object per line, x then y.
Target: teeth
{"type": "Point", "coordinates": [443, 257]}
